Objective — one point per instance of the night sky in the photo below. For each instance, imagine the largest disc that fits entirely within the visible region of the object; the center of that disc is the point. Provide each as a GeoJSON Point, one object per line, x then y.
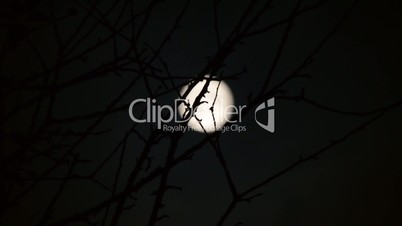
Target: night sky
{"type": "Point", "coordinates": [64, 98]}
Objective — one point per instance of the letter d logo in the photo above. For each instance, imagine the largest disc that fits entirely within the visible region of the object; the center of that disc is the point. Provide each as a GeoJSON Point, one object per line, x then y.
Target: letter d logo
{"type": "Point", "coordinates": [268, 105]}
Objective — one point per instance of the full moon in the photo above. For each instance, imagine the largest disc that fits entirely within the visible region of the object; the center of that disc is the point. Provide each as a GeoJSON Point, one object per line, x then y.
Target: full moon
{"type": "Point", "coordinates": [219, 95]}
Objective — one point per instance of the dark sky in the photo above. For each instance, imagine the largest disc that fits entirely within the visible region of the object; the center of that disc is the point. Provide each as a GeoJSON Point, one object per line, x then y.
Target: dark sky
{"type": "Point", "coordinates": [357, 182]}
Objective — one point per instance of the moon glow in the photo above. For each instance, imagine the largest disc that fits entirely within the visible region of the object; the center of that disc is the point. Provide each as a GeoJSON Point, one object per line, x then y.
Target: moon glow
{"type": "Point", "coordinates": [219, 96]}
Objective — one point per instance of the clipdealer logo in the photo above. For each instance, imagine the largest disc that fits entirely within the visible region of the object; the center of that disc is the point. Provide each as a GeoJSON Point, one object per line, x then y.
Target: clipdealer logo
{"type": "Point", "coordinates": [165, 115]}
{"type": "Point", "coordinates": [268, 106]}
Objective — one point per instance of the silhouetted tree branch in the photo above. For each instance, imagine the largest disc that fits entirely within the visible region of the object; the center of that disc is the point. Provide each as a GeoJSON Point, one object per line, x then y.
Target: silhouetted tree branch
{"type": "Point", "coordinates": [56, 141]}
